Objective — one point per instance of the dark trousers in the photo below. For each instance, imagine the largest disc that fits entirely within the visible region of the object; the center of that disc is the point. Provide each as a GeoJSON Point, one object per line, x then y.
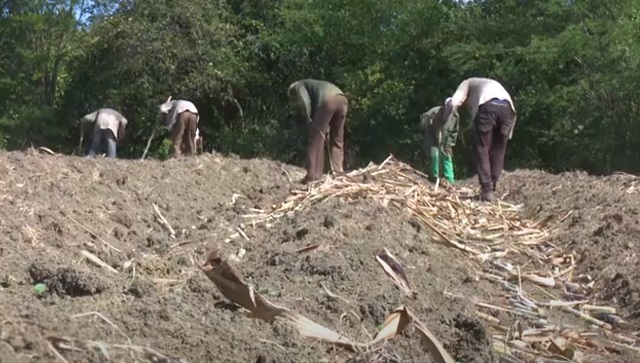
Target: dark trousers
{"type": "Point", "coordinates": [183, 133]}
{"type": "Point", "coordinates": [492, 125]}
{"type": "Point", "coordinates": [100, 136]}
{"type": "Point", "coordinates": [328, 118]}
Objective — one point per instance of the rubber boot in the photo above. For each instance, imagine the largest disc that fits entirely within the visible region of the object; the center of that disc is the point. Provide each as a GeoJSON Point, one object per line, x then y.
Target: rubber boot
{"type": "Point", "coordinates": [435, 163]}
{"type": "Point", "coordinates": [447, 167]}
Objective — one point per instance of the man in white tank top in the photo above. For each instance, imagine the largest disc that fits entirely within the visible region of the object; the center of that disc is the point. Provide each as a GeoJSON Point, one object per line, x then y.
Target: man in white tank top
{"type": "Point", "coordinates": [494, 116]}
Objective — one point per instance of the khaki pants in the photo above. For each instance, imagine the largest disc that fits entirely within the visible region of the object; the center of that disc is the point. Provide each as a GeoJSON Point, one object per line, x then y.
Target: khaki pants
{"type": "Point", "coordinates": [183, 133]}
{"type": "Point", "coordinates": [328, 118]}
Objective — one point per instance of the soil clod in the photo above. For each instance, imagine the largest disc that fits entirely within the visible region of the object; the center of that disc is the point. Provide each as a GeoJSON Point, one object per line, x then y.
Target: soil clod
{"type": "Point", "coordinates": [66, 281]}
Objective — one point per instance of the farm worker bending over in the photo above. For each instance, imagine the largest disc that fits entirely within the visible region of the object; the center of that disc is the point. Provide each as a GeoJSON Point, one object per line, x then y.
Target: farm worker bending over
{"type": "Point", "coordinates": [440, 137]}
{"type": "Point", "coordinates": [181, 118]}
{"type": "Point", "coordinates": [324, 106]}
{"type": "Point", "coordinates": [494, 117]}
{"type": "Point", "coordinates": [109, 127]}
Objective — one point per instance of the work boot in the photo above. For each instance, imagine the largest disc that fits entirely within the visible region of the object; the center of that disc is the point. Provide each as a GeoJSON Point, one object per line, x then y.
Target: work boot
{"type": "Point", "coordinates": [488, 196]}
{"type": "Point", "coordinates": [309, 180]}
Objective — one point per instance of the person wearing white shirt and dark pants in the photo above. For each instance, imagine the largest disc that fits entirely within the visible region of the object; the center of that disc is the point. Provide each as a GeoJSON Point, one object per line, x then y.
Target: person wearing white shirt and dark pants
{"type": "Point", "coordinates": [494, 116]}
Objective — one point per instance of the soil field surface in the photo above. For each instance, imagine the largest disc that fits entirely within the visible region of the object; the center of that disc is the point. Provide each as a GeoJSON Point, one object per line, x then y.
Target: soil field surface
{"type": "Point", "coordinates": [102, 260]}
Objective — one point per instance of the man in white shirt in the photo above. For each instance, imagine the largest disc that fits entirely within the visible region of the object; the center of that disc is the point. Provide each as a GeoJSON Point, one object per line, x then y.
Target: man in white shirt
{"type": "Point", "coordinates": [109, 127]}
{"type": "Point", "coordinates": [181, 117]}
{"type": "Point", "coordinates": [494, 116]}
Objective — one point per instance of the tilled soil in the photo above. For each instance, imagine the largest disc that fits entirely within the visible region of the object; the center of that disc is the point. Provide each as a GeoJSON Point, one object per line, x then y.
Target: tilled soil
{"type": "Point", "coordinates": [602, 228]}
{"type": "Point", "coordinates": [57, 210]}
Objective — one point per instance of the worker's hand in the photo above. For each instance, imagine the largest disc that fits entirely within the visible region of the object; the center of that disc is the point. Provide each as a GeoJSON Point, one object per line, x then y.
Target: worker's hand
{"type": "Point", "coordinates": [448, 151]}
{"type": "Point", "coordinates": [448, 105]}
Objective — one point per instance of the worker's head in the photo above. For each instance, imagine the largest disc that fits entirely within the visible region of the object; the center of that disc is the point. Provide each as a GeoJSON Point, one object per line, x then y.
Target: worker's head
{"type": "Point", "coordinates": [166, 107]}
{"type": "Point", "coordinates": [448, 105]}
{"type": "Point", "coordinates": [292, 90]}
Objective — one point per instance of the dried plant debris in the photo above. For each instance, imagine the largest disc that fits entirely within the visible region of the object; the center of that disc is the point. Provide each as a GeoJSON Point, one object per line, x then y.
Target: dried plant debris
{"type": "Point", "coordinates": [394, 269]}
{"type": "Point", "coordinates": [500, 240]}
{"type": "Point", "coordinates": [145, 354]}
{"type": "Point", "coordinates": [233, 287]}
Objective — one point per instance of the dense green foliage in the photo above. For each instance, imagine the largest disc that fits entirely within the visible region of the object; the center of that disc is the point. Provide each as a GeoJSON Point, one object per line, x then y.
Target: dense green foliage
{"type": "Point", "coordinates": [572, 67]}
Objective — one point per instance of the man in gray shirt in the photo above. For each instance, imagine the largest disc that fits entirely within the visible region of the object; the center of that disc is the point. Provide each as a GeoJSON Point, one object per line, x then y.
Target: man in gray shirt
{"type": "Point", "coordinates": [109, 127]}
{"type": "Point", "coordinates": [324, 107]}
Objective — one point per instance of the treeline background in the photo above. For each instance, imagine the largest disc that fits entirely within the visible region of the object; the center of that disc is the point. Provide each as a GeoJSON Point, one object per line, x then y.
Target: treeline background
{"type": "Point", "coordinates": [571, 66]}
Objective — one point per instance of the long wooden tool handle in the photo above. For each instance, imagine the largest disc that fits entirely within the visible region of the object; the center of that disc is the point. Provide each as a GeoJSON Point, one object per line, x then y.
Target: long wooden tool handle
{"type": "Point", "coordinates": [153, 134]}
{"type": "Point", "coordinates": [81, 139]}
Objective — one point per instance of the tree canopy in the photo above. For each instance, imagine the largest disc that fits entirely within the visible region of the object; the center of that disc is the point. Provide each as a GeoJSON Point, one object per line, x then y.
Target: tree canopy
{"type": "Point", "coordinates": [571, 67]}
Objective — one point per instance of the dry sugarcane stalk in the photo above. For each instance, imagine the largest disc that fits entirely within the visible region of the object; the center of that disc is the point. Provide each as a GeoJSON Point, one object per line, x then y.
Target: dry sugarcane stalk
{"type": "Point", "coordinates": [91, 233]}
{"type": "Point", "coordinates": [93, 258]}
{"type": "Point", "coordinates": [488, 318]}
{"type": "Point", "coordinates": [557, 303]}
{"type": "Point", "coordinates": [602, 309]}
{"type": "Point", "coordinates": [394, 269]}
{"type": "Point", "coordinates": [47, 150]}
{"type": "Point", "coordinates": [163, 221]}
{"type": "Point", "coordinates": [612, 319]}
{"type": "Point", "coordinates": [588, 318]}
{"type": "Point", "coordinates": [403, 188]}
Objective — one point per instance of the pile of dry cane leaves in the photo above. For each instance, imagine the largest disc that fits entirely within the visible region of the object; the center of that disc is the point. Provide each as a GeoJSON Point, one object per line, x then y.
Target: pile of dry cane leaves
{"type": "Point", "coordinates": [509, 250]}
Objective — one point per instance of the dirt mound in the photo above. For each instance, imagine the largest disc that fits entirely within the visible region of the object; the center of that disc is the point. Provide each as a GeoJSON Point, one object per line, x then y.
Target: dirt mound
{"type": "Point", "coordinates": [602, 228]}
{"type": "Point", "coordinates": [119, 285]}
{"type": "Point", "coordinates": [59, 210]}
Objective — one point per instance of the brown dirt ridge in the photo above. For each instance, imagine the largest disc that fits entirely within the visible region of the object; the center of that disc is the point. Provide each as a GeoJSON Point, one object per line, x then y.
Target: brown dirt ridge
{"type": "Point", "coordinates": [124, 286]}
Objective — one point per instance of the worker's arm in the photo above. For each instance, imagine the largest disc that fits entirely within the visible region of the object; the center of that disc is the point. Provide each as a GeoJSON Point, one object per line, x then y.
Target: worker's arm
{"type": "Point", "coordinates": [513, 126]}
{"type": "Point", "coordinates": [90, 117]}
{"type": "Point", "coordinates": [460, 95]}
{"type": "Point", "coordinates": [450, 130]}
{"type": "Point", "coordinates": [304, 101]}
{"type": "Point", "coordinates": [426, 118]}
{"type": "Point", "coordinates": [171, 117]}
{"type": "Point", "coordinates": [122, 125]}
{"type": "Point", "coordinates": [121, 132]}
